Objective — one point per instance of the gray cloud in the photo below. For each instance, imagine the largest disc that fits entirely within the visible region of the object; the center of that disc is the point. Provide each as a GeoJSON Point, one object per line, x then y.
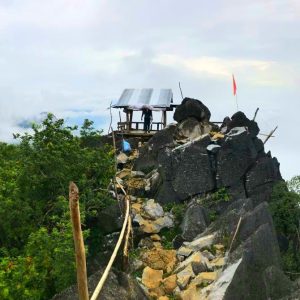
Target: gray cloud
{"type": "Point", "coordinates": [74, 57]}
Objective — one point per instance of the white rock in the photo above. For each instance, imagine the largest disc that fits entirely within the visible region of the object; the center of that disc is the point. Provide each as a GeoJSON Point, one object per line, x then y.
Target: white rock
{"type": "Point", "coordinates": [184, 251]}
{"type": "Point", "coordinates": [122, 158]}
{"type": "Point", "coordinates": [184, 276]}
{"type": "Point", "coordinates": [153, 209]}
{"type": "Point", "coordinates": [220, 286]}
{"type": "Point", "coordinates": [200, 243]}
{"type": "Point", "coordinates": [196, 258]}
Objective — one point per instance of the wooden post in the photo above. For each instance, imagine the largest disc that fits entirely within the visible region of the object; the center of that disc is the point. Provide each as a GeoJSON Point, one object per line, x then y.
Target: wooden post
{"type": "Point", "coordinates": [164, 118]}
{"type": "Point", "coordinates": [270, 134]}
{"type": "Point", "coordinates": [83, 292]}
{"type": "Point", "coordinates": [255, 114]}
{"type": "Point", "coordinates": [130, 119]}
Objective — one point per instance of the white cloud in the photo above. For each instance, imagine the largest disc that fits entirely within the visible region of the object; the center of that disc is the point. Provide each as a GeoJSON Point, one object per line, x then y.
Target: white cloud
{"type": "Point", "coordinates": [72, 57]}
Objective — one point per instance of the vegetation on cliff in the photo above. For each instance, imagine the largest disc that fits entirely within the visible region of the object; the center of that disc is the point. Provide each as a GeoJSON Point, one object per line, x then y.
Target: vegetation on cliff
{"type": "Point", "coordinates": [36, 245]}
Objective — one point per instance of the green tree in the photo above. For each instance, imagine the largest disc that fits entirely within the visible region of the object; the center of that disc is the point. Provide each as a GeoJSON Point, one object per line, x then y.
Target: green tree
{"type": "Point", "coordinates": [285, 208]}
{"type": "Point", "coordinates": [36, 245]}
{"type": "Point", "coordinates": [294, 184]}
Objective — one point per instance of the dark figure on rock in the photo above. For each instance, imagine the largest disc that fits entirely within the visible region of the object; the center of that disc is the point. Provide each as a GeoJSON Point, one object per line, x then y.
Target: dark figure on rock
{"type": "Point", "coordinates": [147, 114]}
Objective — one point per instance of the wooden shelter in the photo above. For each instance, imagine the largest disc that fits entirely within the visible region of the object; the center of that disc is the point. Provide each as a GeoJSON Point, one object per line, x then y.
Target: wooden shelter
{"type": "Point", "coordinates": [133, 100]}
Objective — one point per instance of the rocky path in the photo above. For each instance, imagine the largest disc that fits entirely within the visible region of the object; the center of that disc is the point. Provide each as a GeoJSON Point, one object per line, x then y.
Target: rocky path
{"type": "Point", "coordinates": [164, 273]}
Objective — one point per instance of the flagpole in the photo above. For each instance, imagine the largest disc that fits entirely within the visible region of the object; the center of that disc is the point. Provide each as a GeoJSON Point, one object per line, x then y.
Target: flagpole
{"type": "Point", "coordinates": [236, 100]}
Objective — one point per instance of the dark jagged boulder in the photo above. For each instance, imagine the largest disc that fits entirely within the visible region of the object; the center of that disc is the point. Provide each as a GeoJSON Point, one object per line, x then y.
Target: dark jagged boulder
{"type": "Point", "coordinates": [258, 253]}
{"type": "Point", "coordinates": [109, 219]}
{"type": "Point", "coordinates": [261, 179]}
{"type": "Point", "coordinates": [239, 119]}
{"type": "Point", "coordinates": [191, 108]}
{"type": "Point", "coordinates": [191, 169]}
{"type": "Point", "coordinates": [265, 170]}
{"type": "Point", "coordinates": [277, 284]}
{"type": "Point", "coordinates": [148, 157]}
{"type": "Point", "coordinates": [253, 268]}
{"type": "Point", "coordinates": [195, 221]}
{"type": "Point", "coordinates": [117, 286]}
{"type": "Point", "coordinates": [236, 156]}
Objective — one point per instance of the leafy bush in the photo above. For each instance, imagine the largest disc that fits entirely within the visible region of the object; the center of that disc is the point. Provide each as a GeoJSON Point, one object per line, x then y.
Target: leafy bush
{"type": "Point", "coordinates": [36, 244]}
{"type": "Point", "coordinates": [285, 209]}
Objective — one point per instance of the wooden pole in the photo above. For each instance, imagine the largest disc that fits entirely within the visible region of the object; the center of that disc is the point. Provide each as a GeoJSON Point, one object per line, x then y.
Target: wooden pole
{"type": "Point", "coordinates": [235, 233]}
{"type": "Point", "coordinates": [180, 90]}
{"type": "Point", "coordinates": [83, 292]}
{"type": "Point", "coordinates": [165, 118]}
{"type": "Point", "coordinates": [255, 114]}
{"type": "Point", "coordinates": [236, 102]}
{"type": "Point", "coordinates": [270, 134]}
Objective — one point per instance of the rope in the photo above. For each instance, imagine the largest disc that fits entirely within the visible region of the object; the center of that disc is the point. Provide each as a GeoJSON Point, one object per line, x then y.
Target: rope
{"type": "Point", "coordinates": [114, 254]}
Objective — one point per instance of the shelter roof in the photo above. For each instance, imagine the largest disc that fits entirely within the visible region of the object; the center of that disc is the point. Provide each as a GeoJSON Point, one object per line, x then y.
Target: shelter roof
{"type": "Point", "coordinates": [137, 99]}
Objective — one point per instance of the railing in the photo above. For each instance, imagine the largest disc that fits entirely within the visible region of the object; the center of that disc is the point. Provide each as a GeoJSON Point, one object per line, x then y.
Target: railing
{"type": "Point", "coordinates": [127, 126]}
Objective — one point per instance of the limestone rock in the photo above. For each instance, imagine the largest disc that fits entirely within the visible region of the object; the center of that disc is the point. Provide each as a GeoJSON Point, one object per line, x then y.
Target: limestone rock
{"type": "Point", "coordinates": [208, 255]}
{"type": "Point", "coordinates": [152, 278]}
{"type": "Point", "coordinates": [123, 174]}
{"type": "Point", "coordinates": [184, 276]}
{"type": "Point", "coordinates": [190, 129]}
{"type": "Point", "coordinates": [200, 243]}
{"type": "Point", "coordinates": [235, 157]}
{"type": "Point", "coordinates": [117, 286]}
{"type": "Point", "coordinates": [148, 158]}
{"type": "Point", "coordinates": [218, 262]}
{"type": "Point", "coordinates": [163, 298]}
{"type": "Point", "coordinates": [109, 219]}
{"type": "Point", "coordinates": [191, 108]}
{"type": "Point", "coordinates": [204, 277]}
{"type": "Point", "coordinates": [184, 251]}
{"type": "Point", "coordinates": [239, 119]}
{"type": "Point", "coordinates": [191, 169]}
{"type": "Point", "coordinates": [160, 259]}
{"type": "Point", "coordinates": [136, 186]}
{"type": "Point", "coordinates": [191, 293]}
{"type": "Point", "coordinates": [122, 158]}
{"type": "Point", "coordinates": [136, 208]}
{"type": "Point", "coordinates": [195, 259]}
{"type": "Point", "coordinates": [170, 283]}
{"type": "Point", "coordinates": [194, 222]}
{"type": "Point", "coordinates": [154, 226]}
{"type": "Point", "coordinates": [265, 171]}
{"type": "Point", "coordinates": [152, 210]}
{"type": "Point", "coordinates": [155, 237]}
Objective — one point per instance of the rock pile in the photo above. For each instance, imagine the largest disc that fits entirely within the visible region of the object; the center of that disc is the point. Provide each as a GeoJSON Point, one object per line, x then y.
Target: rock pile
{"type": "Point", "coordinates": [186, 273]}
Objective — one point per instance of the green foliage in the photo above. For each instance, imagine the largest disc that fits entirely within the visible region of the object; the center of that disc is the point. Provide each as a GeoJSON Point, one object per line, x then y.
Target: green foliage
{"type": "Point", "coordinates": [36, 244]}
{"type": "Point", "coordinates": [177, 209]}
{"type": "Point", "coordinates": [220, 195]}
{"type": "Point", "coordinates": [294, 184]}
{"type": "Point", "coordinates": [285, 209]}
{"type": "Point", "coordinates": [168, 235]}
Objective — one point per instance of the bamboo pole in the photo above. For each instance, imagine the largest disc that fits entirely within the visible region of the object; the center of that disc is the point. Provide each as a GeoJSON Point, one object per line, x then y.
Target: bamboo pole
{"type": "Point", "coordinates": [78, 242]}
{"type": "Point", "coordinates": [234, 236]}
{"type": "Point", "coordinates": [270, 134]}
{"type": "Point", "coordinates": [180, 90]}
{"type": "Point", "coordinates": [255, 114]}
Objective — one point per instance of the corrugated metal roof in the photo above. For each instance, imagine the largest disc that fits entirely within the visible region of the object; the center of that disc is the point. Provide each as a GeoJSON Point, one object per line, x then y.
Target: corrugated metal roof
{"type": "Point", "coordinates": [136, 98]}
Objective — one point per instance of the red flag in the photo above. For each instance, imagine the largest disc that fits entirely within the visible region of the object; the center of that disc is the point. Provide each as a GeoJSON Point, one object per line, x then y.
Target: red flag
{"type": "Point", "coordinates": [234, 85]}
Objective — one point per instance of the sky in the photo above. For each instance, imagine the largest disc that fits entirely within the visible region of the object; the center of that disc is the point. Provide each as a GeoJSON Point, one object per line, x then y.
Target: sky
{"type": "Point", "coordinates": [74, 57]}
